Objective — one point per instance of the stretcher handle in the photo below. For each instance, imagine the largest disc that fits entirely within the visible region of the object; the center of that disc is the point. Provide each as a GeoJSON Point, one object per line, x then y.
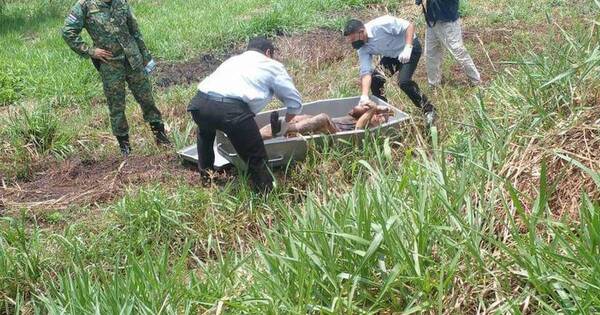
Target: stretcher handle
{"type": "Point", "coordinates": [219, 147]}
{"type": "Point", "coordinates": [232, 155]}
{"type": "Point", "coordinates": [276, 159]}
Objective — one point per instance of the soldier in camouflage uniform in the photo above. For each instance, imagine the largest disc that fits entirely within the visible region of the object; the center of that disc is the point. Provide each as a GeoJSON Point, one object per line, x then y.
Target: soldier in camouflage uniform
{"type": "Point", "coordinates": [120, 55]}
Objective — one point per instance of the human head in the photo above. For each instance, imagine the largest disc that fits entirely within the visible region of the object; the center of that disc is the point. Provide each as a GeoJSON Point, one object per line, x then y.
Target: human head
{"type": "Point", "coordinates": [262, 45]}
{"type": "Point", "coordinates": [355, 33]}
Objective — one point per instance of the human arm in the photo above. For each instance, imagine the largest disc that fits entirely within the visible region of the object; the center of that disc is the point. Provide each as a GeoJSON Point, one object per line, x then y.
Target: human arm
{"type": "Point", "coordinates": [404, 56]}
{"type": "Point", "coordinates": [286, 92]}
{"type": "Point", "coordinates": [366, 69]}
{"type": "Point", "coordinates": [410, 34]}
{"type": "Point", "coordinates": [134, 30]}
{"type": "Point", "coordinates": [71, 33]}
{"type": "Point", "coordinates": [365, 86]}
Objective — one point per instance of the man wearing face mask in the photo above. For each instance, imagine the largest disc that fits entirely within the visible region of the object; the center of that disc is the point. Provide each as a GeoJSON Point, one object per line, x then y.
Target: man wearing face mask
{"type": "Point", "coordinates": [228, 100]}
{"type": "Point", "coordinates": [395, 40]}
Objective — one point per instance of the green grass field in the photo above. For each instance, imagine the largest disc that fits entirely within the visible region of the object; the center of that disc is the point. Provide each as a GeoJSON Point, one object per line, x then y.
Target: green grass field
{"type": "Point", "coordinates": [496, 211]}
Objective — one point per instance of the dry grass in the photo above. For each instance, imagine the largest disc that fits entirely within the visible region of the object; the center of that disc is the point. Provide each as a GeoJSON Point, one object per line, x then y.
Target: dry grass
{"type": "Point", "coordinates": [579, 140]}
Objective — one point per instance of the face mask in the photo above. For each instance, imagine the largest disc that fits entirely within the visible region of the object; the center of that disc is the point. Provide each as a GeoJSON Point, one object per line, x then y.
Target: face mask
{"type": "Point", "coordinates": [358, 43]}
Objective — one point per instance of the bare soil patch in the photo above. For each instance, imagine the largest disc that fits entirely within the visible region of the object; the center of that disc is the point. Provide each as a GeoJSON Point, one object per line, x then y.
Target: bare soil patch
{"type": "Point", "coordinates": [313, 49]}
{"type": "Point", "coordinates": [89, 182]}
{"type": "Point", "coordinates": [187, 72]}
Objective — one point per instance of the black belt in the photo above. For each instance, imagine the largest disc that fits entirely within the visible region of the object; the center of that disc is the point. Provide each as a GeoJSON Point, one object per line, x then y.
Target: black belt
{"type": "Point", "coordinates": [221, 98]}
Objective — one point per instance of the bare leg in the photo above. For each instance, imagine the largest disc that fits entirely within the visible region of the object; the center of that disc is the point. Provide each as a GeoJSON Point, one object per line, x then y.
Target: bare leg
{"type": "Point", "coordinates": [318, 124]}
{"type": "Point", "coordinates": [365, 119]}
{"type": "Point", "coordinates": [267, 133]}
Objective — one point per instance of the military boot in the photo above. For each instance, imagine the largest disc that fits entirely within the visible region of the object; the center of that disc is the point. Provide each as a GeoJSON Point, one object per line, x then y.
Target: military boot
{"type": "Point", "coordinates": [124, 145]}
{"type": "Point", "coordinates": [158, 129]}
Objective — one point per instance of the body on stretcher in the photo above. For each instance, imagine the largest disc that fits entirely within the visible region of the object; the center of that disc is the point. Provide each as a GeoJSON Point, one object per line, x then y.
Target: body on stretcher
{"type": "Point", "coordinates": [282, 150]}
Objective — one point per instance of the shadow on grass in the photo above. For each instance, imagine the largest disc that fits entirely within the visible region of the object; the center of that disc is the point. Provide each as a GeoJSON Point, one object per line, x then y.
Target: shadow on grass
{"type": "Point", "coordinates": [39, 16]}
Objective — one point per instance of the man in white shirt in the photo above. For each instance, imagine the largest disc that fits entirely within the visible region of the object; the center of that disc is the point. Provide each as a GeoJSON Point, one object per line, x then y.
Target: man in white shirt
{"type": "Point", "coordinates": [228, 100]}
{"type": "Point", "coordinates": [395, 40]}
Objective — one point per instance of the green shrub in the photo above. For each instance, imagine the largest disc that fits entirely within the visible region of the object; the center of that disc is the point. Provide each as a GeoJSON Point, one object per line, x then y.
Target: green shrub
{"type": "Point", "coordinates": [37, 131]}
{"type": "Point", "coordinates": [11, 87]}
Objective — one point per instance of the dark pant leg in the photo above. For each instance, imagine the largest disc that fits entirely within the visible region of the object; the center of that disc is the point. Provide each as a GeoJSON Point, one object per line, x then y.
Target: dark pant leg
{"type": "Point", "coordinates": [390, 66]}
{"type": "Point", "coordinates": [207, 115]}
{"type": "Point", "coordinates": [204, 144]}
{"type": "Point", "coordinates": [247, 142]}
{"type": "Point", "coordinates": [205, 138]}
{"type": "Point", "coordinates": [410, 87]}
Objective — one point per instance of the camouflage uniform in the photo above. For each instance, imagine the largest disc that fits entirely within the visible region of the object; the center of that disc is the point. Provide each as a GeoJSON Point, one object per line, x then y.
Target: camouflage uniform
{"type": "Point", "coordinates": [114, 28]}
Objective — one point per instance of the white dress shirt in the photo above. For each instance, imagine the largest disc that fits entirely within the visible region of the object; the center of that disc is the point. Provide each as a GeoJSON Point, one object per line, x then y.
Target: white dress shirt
{"type": "Point", "coordinates": [386, 37]}
{"type": "Point", "coordinates": [253, 78]}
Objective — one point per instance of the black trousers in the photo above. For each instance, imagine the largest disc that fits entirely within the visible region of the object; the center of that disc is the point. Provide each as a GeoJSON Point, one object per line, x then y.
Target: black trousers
{"type": "Point", "coordinates": [236, 120]}
{"type": "Point", "coordinates": [405, 74]}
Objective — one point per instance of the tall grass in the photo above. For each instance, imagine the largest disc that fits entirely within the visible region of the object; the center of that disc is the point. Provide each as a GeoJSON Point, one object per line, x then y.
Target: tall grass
{"type": "Point", "coordinates": [53, 73]}
{"type": "Point", "coordinates": [37, 131]}
{"type": "Point", "coordinates": [374, 229]}
{"type": "Point", "coordinates": [34, 133]}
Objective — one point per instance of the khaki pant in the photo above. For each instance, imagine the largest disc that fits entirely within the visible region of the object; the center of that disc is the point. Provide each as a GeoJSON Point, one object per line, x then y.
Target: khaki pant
{"type": "Point", "coordinates": [447, 35]}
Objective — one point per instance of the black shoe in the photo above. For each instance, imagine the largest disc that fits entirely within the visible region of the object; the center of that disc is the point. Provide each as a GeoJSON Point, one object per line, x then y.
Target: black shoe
{"type": "Point", "coordinates": [205, 176]}
{"type": "Point", "coordinates": [124, 145]}
{"type": "Point", "coordinates": [275, 123]}
{"type": "Point", "coordinates": [158, 129]}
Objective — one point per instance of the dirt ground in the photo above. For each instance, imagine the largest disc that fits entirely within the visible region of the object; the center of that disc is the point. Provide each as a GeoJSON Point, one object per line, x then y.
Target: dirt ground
{"type": "Point", "coordinates": [90, 182]}
{"type": "Point", "coordinates": [323, 47]}
{"type": "Point", "coordinates": [187, 72]}
{"type": "Point", "coordinates": [313, 49]}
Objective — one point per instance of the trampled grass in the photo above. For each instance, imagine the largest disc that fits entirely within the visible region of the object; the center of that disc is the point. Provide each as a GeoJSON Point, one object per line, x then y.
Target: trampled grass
{"type": "Point", "coordinates": [406, 224]}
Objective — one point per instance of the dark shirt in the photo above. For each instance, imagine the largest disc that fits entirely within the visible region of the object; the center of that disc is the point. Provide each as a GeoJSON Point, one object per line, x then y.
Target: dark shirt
{"type": "Point", "coordinates": [441, 10]}
{"type": "Point", "coordinates": [345, 123]}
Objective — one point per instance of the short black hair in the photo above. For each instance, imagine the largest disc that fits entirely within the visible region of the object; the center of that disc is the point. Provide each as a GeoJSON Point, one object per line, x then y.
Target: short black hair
{"type": "Point", "coordinates": [261, 44]}
{"type": "Point", "coordinates": [353, 26]}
